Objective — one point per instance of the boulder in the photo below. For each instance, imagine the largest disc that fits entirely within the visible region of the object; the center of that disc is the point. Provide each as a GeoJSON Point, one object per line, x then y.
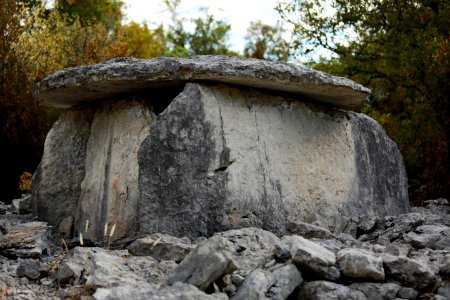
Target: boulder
{"type": "Point", "coordinates": [410, 272]}
{"type": "Point", "coordinates": [261, 284]}
{"type": "Point", "coordinates": [312, 258]}
{"type": "Point", "coordinates": [205, 264]}
{"type": "Point", "coordinates": [360, 264]}
{"type": "Point", "coordinates": [257, 159]}
{"type": "Point", "coordinates": [190, 147]}
{"type": "Point", "coordinates": [161, 247]}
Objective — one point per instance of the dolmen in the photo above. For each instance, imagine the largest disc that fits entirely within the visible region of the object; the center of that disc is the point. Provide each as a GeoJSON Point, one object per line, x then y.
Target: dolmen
{"type": "Point", "coordinates": [190, 147]}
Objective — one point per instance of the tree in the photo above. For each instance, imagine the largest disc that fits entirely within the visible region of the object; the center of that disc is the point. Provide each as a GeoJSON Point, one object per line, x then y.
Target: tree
{"type": "Point", "coordinates": [36, 41]}
{"type": "Point", "coordinates": [266, 42]}
{"type": "Point", "coordinates": [143, 42]}
{"type": "Point", "coordinates": [88, 12]}
{"type": "Point", "coordinates": [400, 49]}
{"type": "Point", "coordinates": [210, 36]}
{"type": "Point", "coordinates": [23, 123]}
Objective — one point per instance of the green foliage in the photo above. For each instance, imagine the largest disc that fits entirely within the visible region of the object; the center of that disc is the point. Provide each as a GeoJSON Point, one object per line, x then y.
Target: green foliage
{"type": "Point", "coordinates": [266, 42]}
{"type": "Point", "coordinates": [23, 124]}
{"type": "Point", "coordinates": [106, 12]}
{"type": "Point", "coordinates": [143, 42]}
{"type": "Point", "coordinates": [36, 41]}
{"type": "Point", "coordinates": [400, 49]}
{"type": "Point", "coordinates": [210, 36]}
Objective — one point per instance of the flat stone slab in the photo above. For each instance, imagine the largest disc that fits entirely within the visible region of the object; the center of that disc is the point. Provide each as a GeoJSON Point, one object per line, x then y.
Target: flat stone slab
{"type": "Point", "coordinates": [73, 86]}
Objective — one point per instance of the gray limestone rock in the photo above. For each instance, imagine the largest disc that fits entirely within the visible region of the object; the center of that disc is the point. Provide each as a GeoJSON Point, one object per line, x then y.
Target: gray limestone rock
{"type": "Point", "coordinates": [178, 291]}
{"type": "Point", "coordinates": [206, 263]}
{"type": "Point", "coordinates": [312, 257]}
{"type": "Point", "coordinates": [22, 205]}
{"type": "Point", "coordinates": [161, 247]}
{"type": "Point", "coordinates": [57, 180]}
{"type": "Point", "coordinates": [366, 223]}
{"type": "Point", "coordinates": [5, 226]}
{"type": "Point", "coordinates": [240, 149]}
{"type": "Point", "coordinates": [124, 75]}
{"type": "Point", "coordinates": [377, 290]}
{"type": "Point", "coordinates": [29, 268]}
{"type": "Point", "coordinates": [308, 231]}
{"type": "Point", "coordinates": [360, 264]}
{"type": "Point", "coordinates": [87, 181]}
{"type": "Point", "coordinates": [444, 290]}
{"type": "Point", "coordinates": [26, 240]}
{"type": "Point", "coordinates": [325, 290]}
{"type": "Point", "coordinates": [429, 236]}
{"type": "Point", "coordinates": [261, 284]}
{"type": "Point", "coordinates": [409, 272]}
{"type": "Point", "coordinates": [252, 247]}
{"type": "Point", "coordinates": [98, 267]}
{"type": "Point", "coordinates": [407, 293]}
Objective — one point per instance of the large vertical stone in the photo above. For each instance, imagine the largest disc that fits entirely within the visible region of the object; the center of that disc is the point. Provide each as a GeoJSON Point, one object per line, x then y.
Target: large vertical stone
{"type": "Point", "coordinates": [56, 182]}
{"type": "Point", "coordinates": [109, 191]}
{"type": "Point", "coordinates": [88, 176]}
{"type": "Point", "coordinates": [223, 157]}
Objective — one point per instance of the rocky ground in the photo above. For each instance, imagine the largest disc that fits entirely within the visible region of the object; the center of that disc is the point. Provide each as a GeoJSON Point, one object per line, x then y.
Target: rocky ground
{"type": "Point", "coordinates": [403, 257]}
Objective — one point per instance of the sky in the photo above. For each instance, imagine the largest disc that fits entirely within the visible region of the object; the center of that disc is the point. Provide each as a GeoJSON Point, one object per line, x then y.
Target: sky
{"type": "Point", "coordinates": [238, 13]}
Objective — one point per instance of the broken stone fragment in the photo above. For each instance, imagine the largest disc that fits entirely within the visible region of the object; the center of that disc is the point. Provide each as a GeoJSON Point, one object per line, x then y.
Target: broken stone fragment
{"type": "Point", "coordinates": [161, 247]}
{"type": "Point", "coordinates": [308, 231]}
{"type": "Point", "coordinates": [360, 264]}
{"type": "Point", "coordinates": [261, 284]}
{"type": "Point", "coordinates": [205, 264]}
{"type": "Point", "coordinates": [29, 268]}
{"type": "Point", "coordinates": [252, 247]}
{"type": "Point", "coordinates": [22, 205]}
{"type": "Point", "coordinates": [26, 240]}
{"type": "Point", "coordinates": [312, 257]}
{"type": "Point", "coordinates": [317, 290]}
{"type": "Point", "coordinates": [378, 290]}
{"type": "Point", "coordinates": [409, 272]}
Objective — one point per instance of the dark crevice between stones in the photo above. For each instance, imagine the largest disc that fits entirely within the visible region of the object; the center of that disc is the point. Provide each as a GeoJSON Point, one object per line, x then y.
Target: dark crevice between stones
{"type": "Point", "coordinates": [158, 99]}
{"type": "Point", "coordinates": [224, 167]}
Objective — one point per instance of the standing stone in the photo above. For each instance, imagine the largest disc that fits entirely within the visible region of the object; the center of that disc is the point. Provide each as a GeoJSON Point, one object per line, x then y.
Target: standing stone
{"type": "Point", "coordinates": [57, 180]}
{"type": "Point", "coordinates": [109, 191]}
{"type": "Point", "coordinates": [88, 177]}
{"type": "Point", "coordinates": [230, 158]}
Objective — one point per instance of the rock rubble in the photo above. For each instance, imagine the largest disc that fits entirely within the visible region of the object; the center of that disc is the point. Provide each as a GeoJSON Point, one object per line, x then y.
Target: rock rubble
{"type": "Point", "coordinates": [403, 257]}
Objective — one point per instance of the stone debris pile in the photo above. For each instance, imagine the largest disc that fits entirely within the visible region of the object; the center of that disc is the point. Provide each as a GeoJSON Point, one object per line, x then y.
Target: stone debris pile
{"type": "Point", "coordinates": [401, 257]}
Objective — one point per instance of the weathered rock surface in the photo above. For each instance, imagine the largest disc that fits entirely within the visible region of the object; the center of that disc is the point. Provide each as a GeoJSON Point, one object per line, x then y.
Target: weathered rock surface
{"type": "Point", "coordinates": [124, 75]}
{"type": "Point", "coordinates": [87, 181]}
{"type": "Point", "coordinates": [220, 156]}
{"type": "Point", "coordinates": [261, 160]}
{"type": "Point", "coordinates": [23, 205]}
{"type": "Point", "coordinates": [356, 263]}
{"type": "Point", "coordinates": [322, 290]}
{"type": "Point", "coordinates": [260, 267]}
{"type": "Point", "coordinates": [312, 257]}
{"type": "Point", "coordinates": [205, 264]}
{"type": "Point", "coordinates": [261, 284]}
{"type": "Point", "coordinates": [161, 247]}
